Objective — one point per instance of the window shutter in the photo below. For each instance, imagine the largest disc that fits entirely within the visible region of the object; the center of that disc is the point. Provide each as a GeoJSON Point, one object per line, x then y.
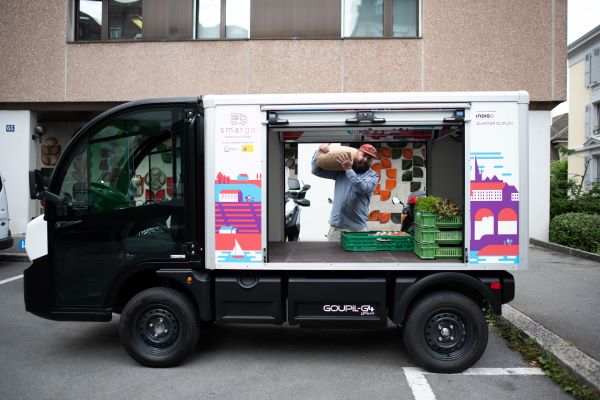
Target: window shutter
{"type": "Point", "coordinates": [588, 63]}
{"type": "Point", "coordinates": [595, 66]}
{"type": "Point", "coordinates": [588, 121]}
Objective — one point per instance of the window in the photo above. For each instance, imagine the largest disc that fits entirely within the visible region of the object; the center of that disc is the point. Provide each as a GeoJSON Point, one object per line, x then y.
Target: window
{"type": "Point", "coordinates": [363, 18]}
{"type": "Point", "coordinates": [597, 162]}
{"type": "Point", "coordinates": [295, 19]}
{"type": "Point", "coordinates": [405, 17]}
{"type": "Point", "coordinates": [133, 161]}
{"type": "Point", "coordinates": [115, 20]}
{"type": "Point", "coordinates": [89, 20]}
{"type": "Point", "coordinates": [380, 18]}
{"type": "Point", "coordinates": [237, 17]}
{"type": "Point", "coordinates": [209, 19]}
{"type": "Point", "coordinates": [133, 19]}
{"type": "Point", "coordinates": [124, 19]}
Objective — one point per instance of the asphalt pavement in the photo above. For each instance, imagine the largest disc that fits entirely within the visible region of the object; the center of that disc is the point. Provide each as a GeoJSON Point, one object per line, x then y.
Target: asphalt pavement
{"type": "Point", "coordinates": [557, 302]}
{"type": "Point", "coordinates": [44, 359]}
{"type": "Point", "coordinates": [562, 293]}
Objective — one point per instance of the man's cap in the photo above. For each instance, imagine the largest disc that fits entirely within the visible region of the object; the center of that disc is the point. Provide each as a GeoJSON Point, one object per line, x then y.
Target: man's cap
{"type": "Point", "coordinates": [370, 150]}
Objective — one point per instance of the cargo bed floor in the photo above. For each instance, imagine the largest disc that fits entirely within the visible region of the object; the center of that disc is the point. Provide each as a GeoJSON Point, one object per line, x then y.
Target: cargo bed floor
{"type": "Point", "coordinates": [333, 252]}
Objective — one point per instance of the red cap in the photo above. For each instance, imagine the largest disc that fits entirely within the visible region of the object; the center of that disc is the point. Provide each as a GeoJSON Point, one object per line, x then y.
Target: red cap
{"type": "Point", "coordinates": [368, 149]}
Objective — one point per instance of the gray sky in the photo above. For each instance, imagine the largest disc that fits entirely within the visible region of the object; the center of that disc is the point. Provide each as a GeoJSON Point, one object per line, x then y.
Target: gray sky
{"type": "Point", "coordinates": [582, 17]}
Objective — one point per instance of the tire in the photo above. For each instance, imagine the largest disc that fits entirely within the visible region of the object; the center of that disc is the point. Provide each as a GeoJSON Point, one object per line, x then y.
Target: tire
{"type": "Point", "coordinates": [159, 327]}
{"type": "Point", "coordinates": [455, 319]}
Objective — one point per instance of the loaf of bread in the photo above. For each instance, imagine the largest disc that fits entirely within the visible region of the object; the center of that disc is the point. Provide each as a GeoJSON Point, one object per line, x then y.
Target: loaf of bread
{"type": "Point", "coordinates": [328, 161]}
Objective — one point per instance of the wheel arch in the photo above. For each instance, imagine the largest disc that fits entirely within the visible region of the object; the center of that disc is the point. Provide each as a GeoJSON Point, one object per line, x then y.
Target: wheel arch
{"type": "Point", "coordinates": [454, 281]}
{"type": "Point", "coordinates": [141, 278]}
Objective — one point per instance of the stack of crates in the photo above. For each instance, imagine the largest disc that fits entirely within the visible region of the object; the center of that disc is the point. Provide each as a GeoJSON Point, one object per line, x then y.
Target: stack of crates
{"type": "Point", "coordinates": [437, 238]}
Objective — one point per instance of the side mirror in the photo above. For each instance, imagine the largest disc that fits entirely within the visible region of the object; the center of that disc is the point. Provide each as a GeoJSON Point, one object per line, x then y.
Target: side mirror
{"type": "Point", "coordinates": [396, 200]}
{"type": "Point", "coordinates": [305, 187]}
{"type": "Point", "coordinates": [293, 184]}
{"type": "Point", "coordinates": [36, 185]}
{"type": "Point", "coordinates": [303, 202]}
{"type": "Point", "coordinates": [38, 190]}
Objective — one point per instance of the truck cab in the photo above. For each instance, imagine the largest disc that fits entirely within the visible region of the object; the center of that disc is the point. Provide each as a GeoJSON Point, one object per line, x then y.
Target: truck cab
{"type": "Point", "coordinates": [170, 213]}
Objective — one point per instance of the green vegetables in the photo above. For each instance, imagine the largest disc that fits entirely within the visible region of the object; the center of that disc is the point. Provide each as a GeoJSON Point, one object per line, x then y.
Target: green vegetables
{"type": "Point", "coordinates": [427, 204]}
{"type": "Point", "coordinates": [444, 208]}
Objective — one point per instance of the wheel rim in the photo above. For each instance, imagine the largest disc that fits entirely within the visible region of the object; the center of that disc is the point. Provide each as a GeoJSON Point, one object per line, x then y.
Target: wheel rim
{"type": "Point", "coordinates": [448, 335]}
{"type": "Point", "coordinates": [157, 330]}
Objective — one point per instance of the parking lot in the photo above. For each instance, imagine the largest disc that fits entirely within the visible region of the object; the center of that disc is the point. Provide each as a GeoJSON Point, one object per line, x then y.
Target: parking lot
{"type": "Point", "coordinates": [68, 360]}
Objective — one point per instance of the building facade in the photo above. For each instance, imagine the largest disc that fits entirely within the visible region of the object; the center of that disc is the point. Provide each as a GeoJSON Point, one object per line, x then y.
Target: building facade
{"type": "Point", "coordinates": [584, 109]}
{"type": "Point", "coordinates": [64, 61]}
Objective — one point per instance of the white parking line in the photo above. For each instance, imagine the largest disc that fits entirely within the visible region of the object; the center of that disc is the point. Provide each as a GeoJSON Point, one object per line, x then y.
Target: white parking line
{"type": "Point", "coordinates": [14, 278]}
{"type": "Point", "coordinates": [421, 389]}
{"type": "Point", "coordinates": [418, 383]}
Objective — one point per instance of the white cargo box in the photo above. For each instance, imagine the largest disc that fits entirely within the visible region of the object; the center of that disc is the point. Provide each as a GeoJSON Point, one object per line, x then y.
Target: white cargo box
{"type": "Point", "coordinates": [472, 148]}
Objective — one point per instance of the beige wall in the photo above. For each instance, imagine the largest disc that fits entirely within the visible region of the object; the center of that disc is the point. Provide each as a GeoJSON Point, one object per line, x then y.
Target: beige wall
{"type": "Point", "coordinates": [579, 96]}
{"type": "Point", "coordinates": [466, 45]}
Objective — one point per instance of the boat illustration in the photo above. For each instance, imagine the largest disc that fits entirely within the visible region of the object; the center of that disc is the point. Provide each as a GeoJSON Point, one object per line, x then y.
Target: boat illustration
{"type": "Point", "coordinates": [237, 251]}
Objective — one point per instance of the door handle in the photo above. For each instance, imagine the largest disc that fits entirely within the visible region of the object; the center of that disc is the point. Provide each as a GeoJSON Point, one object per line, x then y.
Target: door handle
{"type": "Point", "coordinates": [65, 224]}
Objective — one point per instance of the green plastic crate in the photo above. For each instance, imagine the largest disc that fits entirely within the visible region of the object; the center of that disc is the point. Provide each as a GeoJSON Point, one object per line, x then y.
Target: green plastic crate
{"type": "Point", "coordinates": [425, 234]}
{"type": "Point", "coordinates": [370, 241]}
{"type": "Point", "coordinates": [448, 252]}
{"type": "Point", "coordinates": [450, 222]}
{"type": "Point", "coordinates": [448, 237]}
{"type": "Point", "coordinates": [425, 251]}
{"type": "Point", "coordinates": [425, 218]}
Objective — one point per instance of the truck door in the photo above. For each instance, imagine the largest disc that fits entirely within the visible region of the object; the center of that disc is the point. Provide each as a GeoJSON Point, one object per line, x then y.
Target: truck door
{"type": "Point", "coordinates": [123, 203]}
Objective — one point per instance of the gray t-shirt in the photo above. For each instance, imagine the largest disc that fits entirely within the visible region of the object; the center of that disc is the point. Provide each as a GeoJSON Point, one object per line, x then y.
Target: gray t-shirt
{"type": "Point", "coordinates": [351, 197]}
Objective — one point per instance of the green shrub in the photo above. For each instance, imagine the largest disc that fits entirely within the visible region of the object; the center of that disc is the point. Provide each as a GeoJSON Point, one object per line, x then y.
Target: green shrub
{"type": "Point", "coordinates": [577, 230]}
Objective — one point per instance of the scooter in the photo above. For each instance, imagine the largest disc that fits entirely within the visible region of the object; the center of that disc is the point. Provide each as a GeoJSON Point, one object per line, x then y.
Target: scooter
{"type": "Point", "coordinates": [408, 210]}
{"type": "Point", "coordinates": [294, 200]}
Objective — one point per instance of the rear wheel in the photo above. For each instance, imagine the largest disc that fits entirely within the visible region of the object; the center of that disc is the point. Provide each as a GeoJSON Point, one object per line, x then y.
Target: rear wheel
{"type": "Point", "coordinates": [445, 332]}
{"type": "Point", "coordinates": [159, 327]}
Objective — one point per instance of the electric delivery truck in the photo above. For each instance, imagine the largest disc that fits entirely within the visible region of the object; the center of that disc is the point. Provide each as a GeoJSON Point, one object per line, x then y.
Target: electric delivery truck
{"type": "Point", "coordinates": [170, 213]}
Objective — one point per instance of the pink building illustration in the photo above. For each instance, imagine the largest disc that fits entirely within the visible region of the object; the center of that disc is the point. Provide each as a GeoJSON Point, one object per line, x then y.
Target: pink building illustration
{"type": "Point", "coordinates": [494, 217]}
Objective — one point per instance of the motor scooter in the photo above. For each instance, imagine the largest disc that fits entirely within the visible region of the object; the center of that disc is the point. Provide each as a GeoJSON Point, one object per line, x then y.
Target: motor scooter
{"type": "Point", "coordinates": [294, 200]}
{"type": "Point", "coordinates": [408, 210]}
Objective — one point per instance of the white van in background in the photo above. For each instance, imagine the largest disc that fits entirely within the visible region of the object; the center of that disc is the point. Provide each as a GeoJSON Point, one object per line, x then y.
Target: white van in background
{"type": "Point", "coordinates": [6, 240]}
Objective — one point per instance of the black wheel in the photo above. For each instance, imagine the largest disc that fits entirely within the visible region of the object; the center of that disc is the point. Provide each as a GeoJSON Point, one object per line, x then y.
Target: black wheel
{"type": "Point", "coordinates": [445, 332]}
{"type": "Point", "coordinates": [159, 327]}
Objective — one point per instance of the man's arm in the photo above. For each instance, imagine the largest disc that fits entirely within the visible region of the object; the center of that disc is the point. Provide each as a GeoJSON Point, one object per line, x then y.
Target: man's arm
{"type": "Point", "coordinates": [316, 170]}
{"type": "Point", "coordinates": [363, 184]}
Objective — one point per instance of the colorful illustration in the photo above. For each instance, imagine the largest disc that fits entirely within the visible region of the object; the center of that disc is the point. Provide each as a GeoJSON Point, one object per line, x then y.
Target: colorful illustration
{"type": "Point", "coordinates": [494, 213]}
{"type": "Point", "coordinates": [238, 186]}
{"type": "Point", "coordinates": [238, 219]}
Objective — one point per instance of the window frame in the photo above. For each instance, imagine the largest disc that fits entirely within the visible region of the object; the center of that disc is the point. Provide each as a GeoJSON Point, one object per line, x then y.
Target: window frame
{"type": "Point", "coordinates": [104, 27]}
{"type": "Point", "coordinates": [388, 25]}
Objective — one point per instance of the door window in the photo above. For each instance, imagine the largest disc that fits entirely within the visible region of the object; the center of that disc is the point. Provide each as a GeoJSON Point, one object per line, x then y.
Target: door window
{"type": "Point", "coordinates": [129, 171]}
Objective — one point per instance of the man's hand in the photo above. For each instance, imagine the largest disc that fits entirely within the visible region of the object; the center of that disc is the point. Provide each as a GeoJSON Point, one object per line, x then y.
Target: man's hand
{"type": "Point", "coordinates": [324, 148]}
{"type": "Point", "coordinates": [345, 160]}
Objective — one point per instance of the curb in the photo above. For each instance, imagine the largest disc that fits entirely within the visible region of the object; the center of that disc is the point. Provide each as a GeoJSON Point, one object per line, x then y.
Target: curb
{"type": "Point", "coordinates": [564, 249]}
{"type": "Point", "coordinates": [584, 367]}
{"type": "Point", "coordinates": [21, 257]}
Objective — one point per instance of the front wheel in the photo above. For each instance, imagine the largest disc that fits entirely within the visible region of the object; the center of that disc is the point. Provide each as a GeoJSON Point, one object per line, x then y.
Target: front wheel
{"type": "Point", "coordinates": [159, 327]}
{"type": "Point", "coordinates": [445, 332]}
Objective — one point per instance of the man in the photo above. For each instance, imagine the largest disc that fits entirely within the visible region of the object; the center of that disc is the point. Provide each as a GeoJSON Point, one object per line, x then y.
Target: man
{"type": "Point", "coordinates": [353, 188]}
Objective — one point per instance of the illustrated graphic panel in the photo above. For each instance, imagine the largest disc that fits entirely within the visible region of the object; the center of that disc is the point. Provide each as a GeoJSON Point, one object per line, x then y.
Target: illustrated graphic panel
{"type": "Point", "coordinates": [494, 184]}
{"type": "Point", "coordinates": [239, 186]}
